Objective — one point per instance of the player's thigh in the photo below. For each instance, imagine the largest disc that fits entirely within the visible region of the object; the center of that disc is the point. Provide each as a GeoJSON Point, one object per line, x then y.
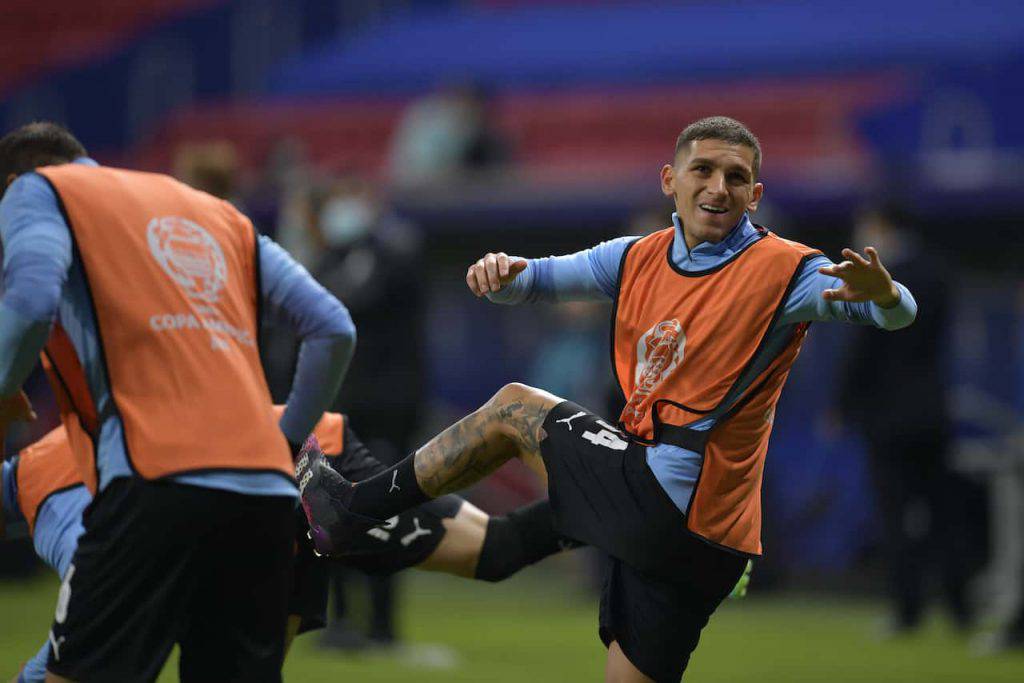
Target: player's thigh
{"type": "Point", "coordinates": [657, 623]}
{"type": "Point", "coordinates": [597, 494]}
{"type": "Point", "coordinates": [121, 602]}
{"type": "Point", "coordinates": [238, 614]}
{"type": "Point", "coordinates": [618, 668]}
{"type": "Point", "coordinates": [459, 551]}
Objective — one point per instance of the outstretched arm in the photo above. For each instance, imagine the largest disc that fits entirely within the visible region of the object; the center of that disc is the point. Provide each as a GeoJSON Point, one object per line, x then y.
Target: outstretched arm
{"type": "Point", "coordinates": [857, 290]}
{"type": "Point", "coordinates": [588, 275]}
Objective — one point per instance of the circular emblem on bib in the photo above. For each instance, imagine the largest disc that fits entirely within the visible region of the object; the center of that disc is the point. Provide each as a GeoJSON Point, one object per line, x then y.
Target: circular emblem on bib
{"type": "Point", "coordinates": [190, 255]}
{"type": "Point", "coordinates": [658, 352]}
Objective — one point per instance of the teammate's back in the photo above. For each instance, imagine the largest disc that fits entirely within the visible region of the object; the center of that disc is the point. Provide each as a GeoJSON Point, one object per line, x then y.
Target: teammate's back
{"type": "Point", "coordinates": [157, 291]}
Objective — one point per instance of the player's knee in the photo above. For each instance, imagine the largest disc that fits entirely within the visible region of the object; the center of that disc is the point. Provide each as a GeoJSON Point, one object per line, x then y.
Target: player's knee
{"type": "Point", "coordinates": [514, 391]}
{"type": "Point", "coordinates": [497, 411]}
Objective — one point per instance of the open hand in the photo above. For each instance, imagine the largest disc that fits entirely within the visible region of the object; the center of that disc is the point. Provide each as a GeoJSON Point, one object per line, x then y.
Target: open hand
{"type": "Point", "coordinates": [492, 273]}
{"type": "Point", "coordinates": [863, 280]}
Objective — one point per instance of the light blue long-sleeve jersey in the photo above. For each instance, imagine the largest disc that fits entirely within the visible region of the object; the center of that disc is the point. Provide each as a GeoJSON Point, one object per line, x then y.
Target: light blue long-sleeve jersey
{"type": "Point", "coordinates": [593, 274]}
{"type": "Point", "coordinates": [55, 538]}
{"type": "Point", "coordinates": [43, 281]}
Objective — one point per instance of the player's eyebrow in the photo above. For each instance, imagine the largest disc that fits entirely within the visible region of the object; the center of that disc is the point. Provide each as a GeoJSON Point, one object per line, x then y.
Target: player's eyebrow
{"type": "Point", "coordinates": [747, 172]}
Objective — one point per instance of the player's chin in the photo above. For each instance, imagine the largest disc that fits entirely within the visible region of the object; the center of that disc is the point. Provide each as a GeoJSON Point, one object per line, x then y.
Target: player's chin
{"type": "Point", "coordinates": [714, 227]}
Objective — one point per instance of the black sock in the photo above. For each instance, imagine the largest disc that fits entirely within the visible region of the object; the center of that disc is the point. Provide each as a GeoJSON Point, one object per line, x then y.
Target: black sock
{"type": "Point", "coordinates": [386, 494]}
{"type": "Point", "coordinates": [518, 539]}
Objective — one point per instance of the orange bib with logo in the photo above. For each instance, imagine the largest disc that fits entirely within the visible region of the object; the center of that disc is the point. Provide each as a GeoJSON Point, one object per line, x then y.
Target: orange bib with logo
{"type": "Point", "coordinates": [173, 276]}
{"type": "Point", "coordinates": [689, 345]}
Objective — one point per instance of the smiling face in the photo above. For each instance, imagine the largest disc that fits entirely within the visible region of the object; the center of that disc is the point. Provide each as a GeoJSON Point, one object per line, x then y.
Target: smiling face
{"type": "Point", "coordinates": [712, 184]}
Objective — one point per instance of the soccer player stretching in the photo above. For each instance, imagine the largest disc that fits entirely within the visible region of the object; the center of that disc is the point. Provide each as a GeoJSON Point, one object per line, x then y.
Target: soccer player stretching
{"type": "Point", "coordinates": [709, 317]}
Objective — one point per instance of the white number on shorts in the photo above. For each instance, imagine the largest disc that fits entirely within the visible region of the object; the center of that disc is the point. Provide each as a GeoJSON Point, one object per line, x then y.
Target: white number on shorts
{"type": "Point", "coordinates": [64, 596]}
{"type": "Point", "coordinates": [607, 437]}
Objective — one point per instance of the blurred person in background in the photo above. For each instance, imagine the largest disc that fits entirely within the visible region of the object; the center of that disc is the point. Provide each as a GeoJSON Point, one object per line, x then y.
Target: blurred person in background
{"type": "Point", "coordinates": [370, 257]}
{"type": "Point", "coordinates": [211, 167]}
{"type": "Point", "coordinates": [894, 390]}
{"type": "Point", "coordinates": [444, 135]}
{"type": "Point", "coordinates": [566, 357]}
{"type": "Point", "coordinates": [1011, 634]}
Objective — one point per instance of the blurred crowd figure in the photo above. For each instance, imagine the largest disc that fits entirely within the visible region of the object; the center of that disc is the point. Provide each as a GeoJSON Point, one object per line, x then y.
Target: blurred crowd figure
{"type": "Point", "coordinates": [445, 135]}
{"type": "Point", "coordinates": [371, 261]}
{"type": "Point", "coordinates": [212, 167]}
{"type": "Point", "coordinates": [894, 390]}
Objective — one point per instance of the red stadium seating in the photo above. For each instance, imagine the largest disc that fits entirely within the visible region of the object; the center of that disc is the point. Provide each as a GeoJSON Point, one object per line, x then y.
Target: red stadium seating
{"type": "Point", "coordinates": [806, 127]}
{"type": "Point", "coordinates": [38, 35]}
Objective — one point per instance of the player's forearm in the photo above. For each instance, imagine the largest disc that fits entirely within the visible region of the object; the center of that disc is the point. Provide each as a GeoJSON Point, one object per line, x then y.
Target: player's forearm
{"type": "Point", "coordinates": [326, 331]}
{"type": "Point", "coordinates": [21, 340]}
{"type": "Point", "coordinates": [554, 279]}
{"type": "Point", "coordinates": [895, 317]}
{"type": "Point", "coordinates": [805, 303]}
{"type": "Point", "coordinates": [321, 367]}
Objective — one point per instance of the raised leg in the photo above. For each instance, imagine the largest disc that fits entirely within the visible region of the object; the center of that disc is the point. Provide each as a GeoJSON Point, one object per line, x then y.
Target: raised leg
{"type": "Point", "coordinates": [510, 425]}
{"type": "Point", "coordinates": [507, 426]}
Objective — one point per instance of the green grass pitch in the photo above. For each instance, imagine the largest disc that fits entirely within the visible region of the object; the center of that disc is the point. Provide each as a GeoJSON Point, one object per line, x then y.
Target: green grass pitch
{"type": "Point", "coordinates": [539, 628]}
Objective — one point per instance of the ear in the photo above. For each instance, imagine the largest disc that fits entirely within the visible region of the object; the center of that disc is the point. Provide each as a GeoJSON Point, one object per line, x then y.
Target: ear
{"type": "Point", "coordinates": [668, 177]}
{"type": "Point", "coordinates": [755, 197]}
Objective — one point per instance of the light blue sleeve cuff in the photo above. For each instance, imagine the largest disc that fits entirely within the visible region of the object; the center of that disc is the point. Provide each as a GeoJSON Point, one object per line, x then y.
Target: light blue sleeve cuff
{"type": "Point", "coordinates": [321, 367]}
{"type": "Point", "coordinates": [900, 315]}
{"type": "Point", "coordinates": [517, 291]}
{"type": "Point", "coordinates": [587, 275]}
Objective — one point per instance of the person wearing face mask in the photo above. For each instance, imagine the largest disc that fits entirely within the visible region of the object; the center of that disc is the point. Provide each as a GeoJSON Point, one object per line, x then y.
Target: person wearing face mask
{"type": "Point", "coordinates": [368, 257]}
{"type": "Point", "coordinates": [709, 317]}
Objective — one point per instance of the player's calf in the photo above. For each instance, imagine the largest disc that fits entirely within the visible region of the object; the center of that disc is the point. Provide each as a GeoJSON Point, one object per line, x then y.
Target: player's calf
{"type": "Point", "coordinates": [517, 540]}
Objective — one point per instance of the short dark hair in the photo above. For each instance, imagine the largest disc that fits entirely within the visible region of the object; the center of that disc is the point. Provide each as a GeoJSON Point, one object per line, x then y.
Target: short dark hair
{"type": "Point", "coordinates": [41, 143]}
{"type": "Point", "coordinates": [721, 128]}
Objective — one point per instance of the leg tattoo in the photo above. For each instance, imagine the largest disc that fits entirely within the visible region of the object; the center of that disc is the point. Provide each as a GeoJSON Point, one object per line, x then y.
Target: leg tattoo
{"type": "Point", "coordinates": [508, 426]}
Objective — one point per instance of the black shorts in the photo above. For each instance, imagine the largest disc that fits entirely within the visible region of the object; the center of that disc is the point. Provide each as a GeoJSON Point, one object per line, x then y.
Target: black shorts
{"type": "Point", "coordinates": [162, 563]}
{"type": "Point", "coordinates": [662, 583]}
{"type": "Point", "coordinates": [404, 541]}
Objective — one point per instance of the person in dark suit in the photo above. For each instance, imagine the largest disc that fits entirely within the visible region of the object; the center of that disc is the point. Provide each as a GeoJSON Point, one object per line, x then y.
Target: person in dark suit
{"type": "Point", "coordinates": [895, 391]}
